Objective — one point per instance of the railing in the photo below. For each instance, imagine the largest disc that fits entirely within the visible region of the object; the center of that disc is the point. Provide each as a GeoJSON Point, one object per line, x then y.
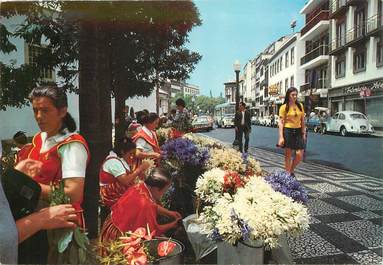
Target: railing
{"type": "Point", "coordinates": [336, 5]}
{"type": "Point", "coordinates": [319, 83]}
{"type": "Point", "coordinates": [322, 15]}
{"type": "Point", "coordinates": [374, 22]}
{"type": "Point", "coordinates": [318, 51]}
{"type": "Point", "coordinates": [356, 32]}
{"type": "Point", "coordinates": [338, 42]}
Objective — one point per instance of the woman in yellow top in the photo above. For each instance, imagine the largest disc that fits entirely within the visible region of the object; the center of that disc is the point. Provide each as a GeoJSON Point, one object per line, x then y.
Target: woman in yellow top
{"type": "Point", "coordinates": [292, 132]}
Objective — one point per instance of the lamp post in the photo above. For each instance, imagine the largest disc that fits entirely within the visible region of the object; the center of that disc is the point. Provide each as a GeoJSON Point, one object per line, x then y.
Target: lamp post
{"type": "Point", "coordinates": [237, 68]}
{"type": "Point", "coordinates": [193, 100]}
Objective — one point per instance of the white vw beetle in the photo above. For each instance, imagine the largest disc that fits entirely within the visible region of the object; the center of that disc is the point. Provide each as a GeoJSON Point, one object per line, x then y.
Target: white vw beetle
{"type": "Point", "coordinates": [346, 122]}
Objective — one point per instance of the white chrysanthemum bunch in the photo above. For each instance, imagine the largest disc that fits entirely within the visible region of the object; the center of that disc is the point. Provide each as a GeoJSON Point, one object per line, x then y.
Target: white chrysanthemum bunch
{"type": "Point", "coordinates": [163, 134]}
{"type": "Point", "coordinates": [256, 212]}
{"type": "Point", "coordinates": [202, 141]}
{"type": "Point", "coordinates": [254, 166]}
{"type": "Point", "coordinates": [209, 186]}
{"type": "Point", "coordinates": [227, 159]}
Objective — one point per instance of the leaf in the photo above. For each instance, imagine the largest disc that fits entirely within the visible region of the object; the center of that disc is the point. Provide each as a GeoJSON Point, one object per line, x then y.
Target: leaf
{"type": "Point", "coordinates": [73, 254]}
{"type": "Point", "coordinates": [81, 255]}
{"type": "Point", "coordinates": [80, 238]}
{"type": "Point", "coordinates": [64, 241]}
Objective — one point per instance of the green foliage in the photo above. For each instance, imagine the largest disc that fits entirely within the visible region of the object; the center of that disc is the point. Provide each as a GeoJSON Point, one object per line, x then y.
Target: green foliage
{"type": "Point", "coordinates": [146, 42]}
{"type": "Point", "coordinates": [67, 246]}
{"type": "Point", "coordinates": [202, 103]}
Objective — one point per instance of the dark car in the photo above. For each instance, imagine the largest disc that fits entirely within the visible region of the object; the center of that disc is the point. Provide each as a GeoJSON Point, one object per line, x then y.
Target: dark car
{"type": "Point", "coordinates": [314, 124]}
{"type": "Point", "coordinates": [201, 124]}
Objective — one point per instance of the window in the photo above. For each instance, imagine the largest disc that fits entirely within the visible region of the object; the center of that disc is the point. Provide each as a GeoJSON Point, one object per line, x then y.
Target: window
{"type": "Point", "coordinates": [342, 116]}
{"type": "Point", "coordinates": [379, 53]}
{"type": "Point", "coordinates": [292, 56]}
{"type": "Point", "coordinates": [34, 51]}
{"type": "Point", "coordinates": [287, 59]}
{"type": "Point", "coordinates": [286, 83]}
{"type": "Point", "coordinates": [341, 34]}
{"type": "Point", "coordinates": [359, 22]}
{"type": "Point", "coordinates": [360, 60]}
{"type": "Point", "coordinates": [292, 81]}
{"type": "Point", "coordinates": [340, 66]}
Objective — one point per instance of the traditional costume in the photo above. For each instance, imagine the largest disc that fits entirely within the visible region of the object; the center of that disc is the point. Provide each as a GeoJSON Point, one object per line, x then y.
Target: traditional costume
{"type": "Point", "coordinates": [64, 155]}
{"type": "Point", "coordinates": [146, 140]}
{"type": "Point", "coordinates": [136, 208]}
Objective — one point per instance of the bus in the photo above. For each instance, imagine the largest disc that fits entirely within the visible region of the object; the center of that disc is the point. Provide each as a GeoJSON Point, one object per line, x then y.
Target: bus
{"type": "Point", "coordinates": [224, 114]}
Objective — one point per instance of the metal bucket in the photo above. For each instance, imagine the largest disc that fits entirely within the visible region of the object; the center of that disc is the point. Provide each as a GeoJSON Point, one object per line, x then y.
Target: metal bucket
{"type": "Point", "coordinates": [243, 253]}
{"type": "Point", "coordinates": [176, 257]}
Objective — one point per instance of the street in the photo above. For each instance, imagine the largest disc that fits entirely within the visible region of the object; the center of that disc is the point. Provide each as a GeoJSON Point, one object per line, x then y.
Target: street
{"type": "Point", "coordinates": [360, 154]}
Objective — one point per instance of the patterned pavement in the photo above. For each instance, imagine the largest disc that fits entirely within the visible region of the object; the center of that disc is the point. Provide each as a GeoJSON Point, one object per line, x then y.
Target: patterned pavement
{"type": "Point", "coordinates": [346, 210]}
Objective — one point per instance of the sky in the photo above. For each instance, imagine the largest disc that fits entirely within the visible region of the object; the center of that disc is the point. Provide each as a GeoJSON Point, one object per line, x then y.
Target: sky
{"type": "Point", "coordinates": [236, 29]}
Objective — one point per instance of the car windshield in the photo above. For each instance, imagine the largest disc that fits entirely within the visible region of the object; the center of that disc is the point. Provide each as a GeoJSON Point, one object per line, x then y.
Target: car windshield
{"type": "Point", "coordinates": [357, 116]}
{"type": "Point", "coordinates": [200, 120]}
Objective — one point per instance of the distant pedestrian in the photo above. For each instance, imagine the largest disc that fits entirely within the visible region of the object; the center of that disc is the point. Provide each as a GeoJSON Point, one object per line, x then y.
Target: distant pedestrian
{"type": "Point", "coordinates": [292, 130]}
{"type": "Point", "coordinates": [181, 123]}
{"type": "Point", "coordinates": [242, 123]}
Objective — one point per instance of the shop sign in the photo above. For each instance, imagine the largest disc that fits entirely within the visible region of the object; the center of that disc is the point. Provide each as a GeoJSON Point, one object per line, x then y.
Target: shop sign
{"type": "Point", "coordinates": [378, 85]}
{"type": "Point", "coordinates": [365, 92]}
{"type": "Point", "coordinates": [273, 90]}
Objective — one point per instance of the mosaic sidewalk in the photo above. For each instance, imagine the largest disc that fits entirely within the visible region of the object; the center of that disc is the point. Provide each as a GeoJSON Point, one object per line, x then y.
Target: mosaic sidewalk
{"type": "Point", "coordinates": [346, 209]}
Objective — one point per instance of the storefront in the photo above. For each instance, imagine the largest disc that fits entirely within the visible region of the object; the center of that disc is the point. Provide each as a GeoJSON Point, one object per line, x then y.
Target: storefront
{"type": "Point", "coordinates": [366, 97]}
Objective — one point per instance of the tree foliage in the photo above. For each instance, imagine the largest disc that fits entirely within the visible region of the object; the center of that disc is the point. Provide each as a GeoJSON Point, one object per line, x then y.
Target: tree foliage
{"type": "Point", "coordinates": [202, 103]}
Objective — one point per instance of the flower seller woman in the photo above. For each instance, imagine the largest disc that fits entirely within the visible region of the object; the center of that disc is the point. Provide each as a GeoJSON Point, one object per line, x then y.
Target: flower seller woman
{"type": "Point", "coordinates": [139, 207]}
{"type": "Point", "coordinates": [64, 154]}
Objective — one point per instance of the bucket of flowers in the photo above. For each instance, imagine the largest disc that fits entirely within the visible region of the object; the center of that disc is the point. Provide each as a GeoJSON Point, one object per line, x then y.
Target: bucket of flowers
{"type": "Point", "coordinates": [140, 248]}
{"type": "Point", "coordinates": [187, 161]}
{"type": "Point", "coordinates": [255, 215]}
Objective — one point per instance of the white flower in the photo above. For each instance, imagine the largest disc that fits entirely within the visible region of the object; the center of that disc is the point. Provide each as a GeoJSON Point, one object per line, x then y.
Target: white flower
{"type": "Point", "coordinates": [209, 186]}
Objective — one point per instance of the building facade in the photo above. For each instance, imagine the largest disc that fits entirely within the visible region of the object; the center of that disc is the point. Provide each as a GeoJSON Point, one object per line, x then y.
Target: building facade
{"type": "Point", "coordinates": [284, 70]}
{"type": "Point", "coordinates": [356, 46]}
{"type": "Point", "coordinates": [315, 62]}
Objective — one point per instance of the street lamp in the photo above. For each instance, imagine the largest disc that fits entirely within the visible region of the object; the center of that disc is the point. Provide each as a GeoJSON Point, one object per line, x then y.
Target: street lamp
{"type": "Point", "coordinates": [237, 68]}
{"type": "Point", "coordinates": [193, 99]}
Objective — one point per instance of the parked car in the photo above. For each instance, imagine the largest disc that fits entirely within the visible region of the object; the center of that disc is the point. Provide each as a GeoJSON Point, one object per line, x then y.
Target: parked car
{"type": "Point", "coordinates": [254, 120]}
{"type": "Point", "coordinates": [201, 124]}
{"type": "Point", "coordinates": [313, 123]}
{"type": "Point", "coordinates": [346, 122]}
{"type": "Point", "coordinates": [210, 120]}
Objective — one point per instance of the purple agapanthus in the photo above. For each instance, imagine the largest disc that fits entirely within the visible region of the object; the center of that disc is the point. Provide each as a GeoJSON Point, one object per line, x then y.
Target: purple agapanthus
{"type": "Point", "coordinates": [184, 151]}
{"type": "Point", "coordinates": [215, 235]}
{"type": "Point", "coordinates": [286, 184]}
{"type": "Point", "coordinates": [245, 228]}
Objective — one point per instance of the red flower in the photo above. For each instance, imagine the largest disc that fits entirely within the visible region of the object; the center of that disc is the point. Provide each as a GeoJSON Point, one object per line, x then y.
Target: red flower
{"type": "Point", "coordinates": [165, 247]}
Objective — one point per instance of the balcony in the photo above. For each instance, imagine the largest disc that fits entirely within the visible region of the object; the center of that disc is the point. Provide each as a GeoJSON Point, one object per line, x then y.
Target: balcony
{"type": "Point", "coordinates": [337, 45]}
{"type": "Point", "coordinates": [323, 15]}
{"type": "Point", "coordinates": [356, 34]}
{"type": "Point", "coordinates": [337, 8]}
{"type": "Point", "coordinates": [374, 25]}
{"type": "Point", "coordinates": [315, 57]}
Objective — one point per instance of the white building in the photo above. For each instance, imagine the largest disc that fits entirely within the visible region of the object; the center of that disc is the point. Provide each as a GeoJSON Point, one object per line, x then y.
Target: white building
{"type": "Point", "coordinates": [246, 84]}
{"type": "Point", "coordinates": [315, 62]}
{"type": "Point", "coordinates": [356, 46]}
{"type": "Point", "coordinates": [284, 69]}
{"type": "Point", "coordinates": [16, 119]}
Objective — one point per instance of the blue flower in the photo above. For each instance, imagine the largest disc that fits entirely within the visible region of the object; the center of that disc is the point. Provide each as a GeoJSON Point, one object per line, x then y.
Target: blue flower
{"type": "Point", "coordinates": [284, 183]}
{"type": "Point", "coordinates": [215, 235]}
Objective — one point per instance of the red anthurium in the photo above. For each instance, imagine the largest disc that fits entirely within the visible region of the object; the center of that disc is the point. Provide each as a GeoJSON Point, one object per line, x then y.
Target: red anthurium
{"type": "Point", "coordinates": [165, 247]}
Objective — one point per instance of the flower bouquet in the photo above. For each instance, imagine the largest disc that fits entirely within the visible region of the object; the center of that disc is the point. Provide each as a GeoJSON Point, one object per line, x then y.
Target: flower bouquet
{"type": "Point", "coordinates": [227, 159]}
{"type": "Point", "coordinates": [163, 134]}
{"type": "Point", "coordinates": [255, 212]}
{"type": "Point", "coordinates": [203, 142]}
{"type": "Point", "coordinates": [286, 184]}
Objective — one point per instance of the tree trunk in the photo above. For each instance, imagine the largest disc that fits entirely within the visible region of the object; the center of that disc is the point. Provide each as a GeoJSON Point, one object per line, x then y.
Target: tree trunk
{"type": "Point", "coordinates": [120, 127]}
{"type": "Point", "coordinates": [95, 112]}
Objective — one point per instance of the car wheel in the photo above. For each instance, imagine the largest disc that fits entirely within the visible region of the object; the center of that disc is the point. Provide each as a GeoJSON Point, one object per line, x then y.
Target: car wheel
{"type": "Point", "coordinates": [343, 131]}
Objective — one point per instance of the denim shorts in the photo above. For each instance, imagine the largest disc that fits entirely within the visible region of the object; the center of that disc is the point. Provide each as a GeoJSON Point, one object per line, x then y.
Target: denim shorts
{"type": "Point", "coordinates": [293, 138]}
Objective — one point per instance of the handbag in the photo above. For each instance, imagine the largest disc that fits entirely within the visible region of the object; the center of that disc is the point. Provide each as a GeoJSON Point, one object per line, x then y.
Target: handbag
{"type": "Point", "coordinates": [22, 192]}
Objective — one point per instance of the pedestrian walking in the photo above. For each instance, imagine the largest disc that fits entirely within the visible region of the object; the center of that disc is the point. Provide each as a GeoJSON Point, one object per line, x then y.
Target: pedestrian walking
{"type": "Point", "coordinates": [242, 123]}
{"type": "Point", "coordinates": [292, 130]}
{"type": "Point", "coordinates": [181, 123]}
